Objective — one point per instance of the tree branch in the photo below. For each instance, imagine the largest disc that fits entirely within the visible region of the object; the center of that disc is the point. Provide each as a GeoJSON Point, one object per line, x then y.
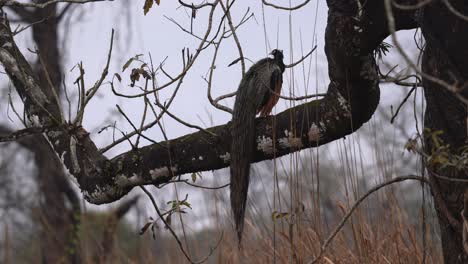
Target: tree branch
{"type": "Point", "coordinates": [352, 97]}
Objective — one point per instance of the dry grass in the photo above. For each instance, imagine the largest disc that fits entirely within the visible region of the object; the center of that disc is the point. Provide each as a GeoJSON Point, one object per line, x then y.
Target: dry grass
{"type": "Point", "coordinates": [378, 232]}
{"type": "Point", "coordinates": [386, 228]}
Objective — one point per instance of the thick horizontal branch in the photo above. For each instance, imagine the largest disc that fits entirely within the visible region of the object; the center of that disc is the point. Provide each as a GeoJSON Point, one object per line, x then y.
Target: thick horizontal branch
{"type": "Point", "coordinates": [352, 97]}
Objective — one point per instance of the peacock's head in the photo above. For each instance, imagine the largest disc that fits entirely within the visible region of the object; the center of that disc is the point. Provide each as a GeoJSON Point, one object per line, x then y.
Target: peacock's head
{"type": "Point", "coordinates": [277, 54]}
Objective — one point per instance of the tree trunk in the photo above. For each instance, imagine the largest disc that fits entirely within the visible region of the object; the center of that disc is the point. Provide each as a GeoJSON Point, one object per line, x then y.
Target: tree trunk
{"type": "Point", "coordinates": [59, 205]}
{"type": "Point", "coordinates": [61, 242]}
{"type": "Point", "coordinates": [446, 57]}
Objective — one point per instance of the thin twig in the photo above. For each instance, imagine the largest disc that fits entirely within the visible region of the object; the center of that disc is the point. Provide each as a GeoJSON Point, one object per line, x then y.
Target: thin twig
{"type": "Point", "coordinates": [298, 98]}
{"type": "Point", "coordinates": [455, 11]}
{"type": "Point", "coordinates": [67, 98]}
{"type": "Point", "coordinates": [10, 103]}
{"type": "Point", "coordinates": [49, 81]}
{"type": "Point", "coordinates": [151, 124]}
{"type": "Point", "coordinates": [183, 122]}
{"type": "Point", "coordinates": [205, 187]}
{"type": "Point", "coordinates": [168, 226]}
{"type": "Point", "coordinates": [193, 6]}
{"type": "Point", "coordinates": [286, 8]}
{"type": "Point", "coordinates": [401, 104]}
{"type": "Point", "coordinates": [145, 110]}
{"type": "Point", "coordinates": [189, 64]}
{"type": "Point", "coordinates": [18, 31]}
{"type": "Point", "coordinates": [138, 131]}
{"type": "Point", "coordinates": [210, 81]}
{"type": "Point", "coordinates": [86, 97]}
{"type": "Point", "coordinates": [236, 38]}
{"type": "Point", "coordinates": [301, 59]}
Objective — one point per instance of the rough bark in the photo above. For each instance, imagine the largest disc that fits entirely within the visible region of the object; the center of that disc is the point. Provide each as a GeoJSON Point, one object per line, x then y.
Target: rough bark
{"type": "Point", "coordinates": [446, 57]}
{"type": "Point", "coordinates": [59, 203]}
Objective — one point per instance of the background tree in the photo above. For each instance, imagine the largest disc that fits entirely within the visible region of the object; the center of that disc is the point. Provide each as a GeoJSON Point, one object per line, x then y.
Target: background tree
{"type": "Point", "coordinates": [59, 210]}
{"type": "Point", "coordinates": [355, 31]}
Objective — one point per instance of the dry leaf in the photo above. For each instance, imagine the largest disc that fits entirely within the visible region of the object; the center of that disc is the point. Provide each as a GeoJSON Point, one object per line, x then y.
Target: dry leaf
{"type": "Point", "coordinates": [148, 5]}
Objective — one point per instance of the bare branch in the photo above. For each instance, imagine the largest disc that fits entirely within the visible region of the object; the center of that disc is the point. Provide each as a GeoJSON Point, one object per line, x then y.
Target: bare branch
{"type": "Point", "coordinates": [455, 11]}
{"type": "Point", "coordinates": [301, 59]}
{"type": "Point", "coordinates": [210, 82]}
{"type": "Point", "coordinates": [147, 126]}
{"type": "Point", "coordinates": [236, 38]}
{"type": "Point", "coordinates": [168, 226]}
{"type": "Point", "coordinates": [193, 6]}
{"type": "Point", "coordinates": [183, 122]}
{"type": "Point", "coordinates": [285, 8]}
{"type": "Point", "coordinates": [190, 63]}
{"type": "Point", "coordinates": [401, 104]}
{"type": "Point", "coordinates": [86, 97]}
